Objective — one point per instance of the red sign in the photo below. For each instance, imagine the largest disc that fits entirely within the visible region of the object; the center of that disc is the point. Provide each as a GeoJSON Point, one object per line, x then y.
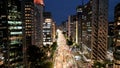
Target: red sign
{"type": "Point", "coordinates": [39, 2]}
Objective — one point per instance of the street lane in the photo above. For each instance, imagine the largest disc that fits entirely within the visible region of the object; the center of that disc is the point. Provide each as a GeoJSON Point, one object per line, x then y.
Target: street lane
{"type": "Point", "coordinates": [63, 57]}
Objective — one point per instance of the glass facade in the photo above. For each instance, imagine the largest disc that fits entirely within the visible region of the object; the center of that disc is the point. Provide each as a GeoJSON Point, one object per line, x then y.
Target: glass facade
{"type": "Point", "coordinates": [47, 33]}
{"type": "Point", "coordinates": [37, 25]}
{"type": "Point", "coordinates": [11, 33]}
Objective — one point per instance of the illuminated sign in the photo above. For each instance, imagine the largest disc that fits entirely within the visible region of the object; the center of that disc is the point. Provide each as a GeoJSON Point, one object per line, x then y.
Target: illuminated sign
{"type": "Point", "coordinates": [39, 2]}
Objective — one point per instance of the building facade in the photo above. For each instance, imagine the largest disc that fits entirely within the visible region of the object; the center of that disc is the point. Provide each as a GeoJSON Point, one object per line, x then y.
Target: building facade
{"type": "Point", "coordinates": [38, 23]}
{"type": "Point", "coordinates": [73, 28]}
{"type": "Point", "coordinates": [11, 33]}
{"type": "Point", "coordinates": [48, 29]}
{"type": "Point", "coordinates": [84, 24]}
{"type": "Point", "coordinates": [117, 37]}
{"type": "Point", "coordinates": [80, 21]}
{"type": "Point", "coordinates": [27, 19]}
{"type": "Point", "coordinates": [99, 29]}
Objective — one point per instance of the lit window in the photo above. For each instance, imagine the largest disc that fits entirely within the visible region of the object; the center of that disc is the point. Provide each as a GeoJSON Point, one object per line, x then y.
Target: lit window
{"type": "Point", "coordinates": [27, 8]}
{"type": "Point", "coordinates": [14, 22]}
{"type": "Point", "coordinates": [118, 18]}
{"type": "Point", "coordinates": [14, 33]}
{"type": "Point", "coordinates": [118, 23]}
{"type": "Point", "coordinates": [12, 54]}
{"type": "Point", "coordinates": [119, 32]}
{"type": "Point", "coordinates": [118, 40]}
{"type": "Point", "coordinates": [15, 27]}
{"type": "Point", "coordinates": [27, 14]}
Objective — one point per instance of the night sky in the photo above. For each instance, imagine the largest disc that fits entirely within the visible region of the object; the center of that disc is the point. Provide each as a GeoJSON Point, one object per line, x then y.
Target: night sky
{"type": "Point", "coordinates": [61, 9]}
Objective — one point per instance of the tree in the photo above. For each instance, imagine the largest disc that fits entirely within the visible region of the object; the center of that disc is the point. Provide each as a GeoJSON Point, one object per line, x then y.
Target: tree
{"type": "Point", "coordinates": [35, 55]}
{"type": "Point", "coordinates": [69, 42]}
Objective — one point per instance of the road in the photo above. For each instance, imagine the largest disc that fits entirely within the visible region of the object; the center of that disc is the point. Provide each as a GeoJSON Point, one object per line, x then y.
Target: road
{"type": "Point", "coordinates": [63, 57]}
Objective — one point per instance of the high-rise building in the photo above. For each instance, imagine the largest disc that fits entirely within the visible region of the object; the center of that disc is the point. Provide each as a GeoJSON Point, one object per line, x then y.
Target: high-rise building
{"type": "Point", "coordinates": [64, 26]}
{"type": "Point", "coordinates": [27, 19]}
{"type": "Point", "coordinates": [87, 24]}
{"type": "Point", "coordinates": [117, 37]}
{"type": "Point", "coordinates": [84, 14]}
{"type": "Point", "coordinates": [84, 24]}
{"type": "Point", "coordinates": [48, 29]}
{"type": "Point", "coordinates": [99, 29]}
{"type": "Point", "coordinates": [11, 33]}
{"type": "Point", "coordinates": [80, 20]}
{"type": "Point", "coordinates": [73, 28]}
{"type": "Point", "coordinates": [93, 28]}
{"type": "Point", "coordinates": [38, 23]}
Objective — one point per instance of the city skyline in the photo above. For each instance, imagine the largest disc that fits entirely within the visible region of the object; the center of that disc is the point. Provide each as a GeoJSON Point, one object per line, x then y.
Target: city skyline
{"type": "Point", "coordinates": [31, 36]}
{"type": "Point", "coordinates": [68, 7]}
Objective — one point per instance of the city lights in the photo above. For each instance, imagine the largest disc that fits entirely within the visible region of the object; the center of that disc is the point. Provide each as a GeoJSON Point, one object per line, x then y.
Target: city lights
{"type": "Point", "coordinates": [59, 34]}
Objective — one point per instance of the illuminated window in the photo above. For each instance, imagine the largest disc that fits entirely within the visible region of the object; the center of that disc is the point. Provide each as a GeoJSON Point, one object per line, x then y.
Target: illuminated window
{"type": "Point", "coordinates": [27, 14]}
{"type": "Point", "coordinates": [11, 59]}
{"type": "Point", "coordinates": [118, 23]}
{"type": "Point", "coordinates": [119, 32]}
{"type": "Point", "coordinates": [27, 8]}
{"type": "Point", "coordinates": [14, 22]}
{"type": "Point", "coordinates": [15, 27]}
{"type": "Point", "coordinates": [14, 42]}
{"type": "Point", "coordinates": [89, 30]}
{"type": "Point", "coordinates": [28, 26]}
{"type": "Point", "coordinates": [79, 10]}
{"type": "Point", "coordinates": [15, 33]}
{"type": "Point", "coordinates": [118, 40]}
{"type": "Point", "coordinates": [12, 54]}
{"type": "Point", "coordinates": [118, 18]}
{"type": "Point", "coordinates": [3, 16]}
{"type": "Point", "coordinates": [88, 23]}
{"type": "Point", "coordinates": [27, 20]}
{"type": "Point", "coordinates": [14, 37]}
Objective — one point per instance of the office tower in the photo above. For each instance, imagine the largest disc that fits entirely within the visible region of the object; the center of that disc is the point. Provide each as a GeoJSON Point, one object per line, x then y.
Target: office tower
{"type": "Point", "coordinates": [84, 14]}
{"type": "Point", "coordinates": [117, 37]}
{"type": "Point", "coordinates": [80, 20]}
{"type": "Point", "coordinates": [87, 24]}
{"type": "Point", "coordinates": [99, 29]}
{"type": "Point", "coordinates": [38, 23]}
{"type": "Point", "coordinates": [73, 28]}
{"type": "Point", "coordinates": [27, 19]}
{"type": "Point", "coordinates": [63, 26]}
{"type": "Point", "coordinates": [47, 29]}
{"type": "Point", "coordinates": [11, 33]}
